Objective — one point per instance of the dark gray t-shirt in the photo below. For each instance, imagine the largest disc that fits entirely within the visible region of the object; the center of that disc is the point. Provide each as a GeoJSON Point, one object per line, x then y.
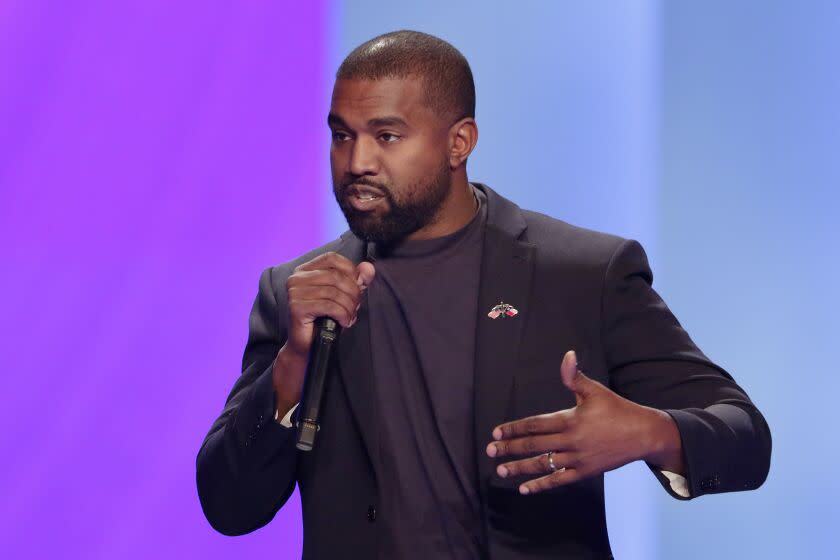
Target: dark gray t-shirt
{"type": "Point", "coordinates": [423, 308]}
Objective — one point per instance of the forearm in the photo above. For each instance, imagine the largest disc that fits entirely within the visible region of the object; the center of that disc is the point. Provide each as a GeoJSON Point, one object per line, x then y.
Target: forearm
{"type": "Point", "coordinates": [726, 447]}
{"type": "Point", "coordinates": [725, 442]}
{"type": "Point", "coordinates": [287, 371]}
{"type": "Point", "coordinates": [245, 470]}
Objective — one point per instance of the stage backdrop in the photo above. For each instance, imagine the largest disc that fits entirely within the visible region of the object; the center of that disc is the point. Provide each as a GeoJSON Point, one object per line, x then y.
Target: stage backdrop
{"type": "Point", "coordinates": [156, 156]}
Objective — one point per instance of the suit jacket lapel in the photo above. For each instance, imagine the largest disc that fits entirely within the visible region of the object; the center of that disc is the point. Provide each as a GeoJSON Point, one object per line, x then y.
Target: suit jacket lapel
{"type": "Point", "coordinates": [506, 268]}
{"type": "Point", "coordinates": [355, 363]}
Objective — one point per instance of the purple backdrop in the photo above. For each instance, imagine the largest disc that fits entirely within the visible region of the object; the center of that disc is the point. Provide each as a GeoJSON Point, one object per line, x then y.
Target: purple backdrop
{"type": "Point", "coordinates": [153, 158]}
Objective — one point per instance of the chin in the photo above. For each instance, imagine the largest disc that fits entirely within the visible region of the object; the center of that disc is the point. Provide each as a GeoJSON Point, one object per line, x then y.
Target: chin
{"type": "Point", "coordinates": [377, 231]}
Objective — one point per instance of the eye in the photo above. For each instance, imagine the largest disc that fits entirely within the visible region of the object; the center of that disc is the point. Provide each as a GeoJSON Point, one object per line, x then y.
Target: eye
{"type": "Point", "coordinates": [388, 137]}
{"type": "Point", "coordinates": [339, 136]}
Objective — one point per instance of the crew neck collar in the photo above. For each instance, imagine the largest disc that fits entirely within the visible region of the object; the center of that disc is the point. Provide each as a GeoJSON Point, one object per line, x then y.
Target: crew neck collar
{"type": "Point", "coordinates": [418, 248]}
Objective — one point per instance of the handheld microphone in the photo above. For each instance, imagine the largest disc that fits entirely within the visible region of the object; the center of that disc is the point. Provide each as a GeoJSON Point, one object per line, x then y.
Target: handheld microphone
{"type": "Point", "coordinates": [325, 337]}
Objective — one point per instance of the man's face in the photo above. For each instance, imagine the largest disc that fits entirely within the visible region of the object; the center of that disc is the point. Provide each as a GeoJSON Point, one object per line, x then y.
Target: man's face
{"type": "Point", "coordinates": [388, 156]}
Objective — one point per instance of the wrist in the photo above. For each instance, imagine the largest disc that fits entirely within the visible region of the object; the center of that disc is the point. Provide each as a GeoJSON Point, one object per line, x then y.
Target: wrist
{"type": "Point", "coordinates": [288, 358]}
{"type": "Point", "coordinates": [663, 443]}
{"type": "Point", "coordinates": [287, 375]}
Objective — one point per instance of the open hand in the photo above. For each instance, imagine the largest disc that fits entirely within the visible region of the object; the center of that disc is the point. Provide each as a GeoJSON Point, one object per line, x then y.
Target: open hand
{"type": "Point", "coordinates": [602, 432]}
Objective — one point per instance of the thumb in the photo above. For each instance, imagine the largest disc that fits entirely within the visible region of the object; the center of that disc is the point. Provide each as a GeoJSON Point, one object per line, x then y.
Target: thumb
{"type": "Point", "coordinates": [364, 274]}
{"type": "Point", "coordinates": [573, 378]}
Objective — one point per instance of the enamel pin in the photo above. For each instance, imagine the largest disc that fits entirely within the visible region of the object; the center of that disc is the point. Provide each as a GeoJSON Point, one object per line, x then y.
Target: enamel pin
{"type": "Point", "coordinates": [502, 310]}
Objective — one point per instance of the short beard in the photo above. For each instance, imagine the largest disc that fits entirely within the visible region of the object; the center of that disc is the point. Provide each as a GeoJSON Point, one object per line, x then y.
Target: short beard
{"type": "Point", "coordinates": [421, 205]}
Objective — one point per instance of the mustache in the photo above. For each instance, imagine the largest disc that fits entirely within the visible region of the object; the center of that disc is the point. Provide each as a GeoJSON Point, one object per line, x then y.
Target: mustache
{"type": "Point", "coordinates": [348, 181]}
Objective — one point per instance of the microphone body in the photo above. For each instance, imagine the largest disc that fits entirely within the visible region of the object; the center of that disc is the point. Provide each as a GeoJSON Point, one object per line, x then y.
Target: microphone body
{"type": "Point", "coordinates": [323, 344]}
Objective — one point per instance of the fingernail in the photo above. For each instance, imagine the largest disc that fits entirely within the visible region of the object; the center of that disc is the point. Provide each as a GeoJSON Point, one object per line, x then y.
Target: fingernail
{"type": "Point", "coordinates": [358, 305]}
{"type": "Point", "coordinates": [491, 450]}
{"type": "Point", "coordinates": [524, 490]}
{"type": "Point", "coordinates": [502, 470]}
{"type": "Point", "coordinates": [497, 434]}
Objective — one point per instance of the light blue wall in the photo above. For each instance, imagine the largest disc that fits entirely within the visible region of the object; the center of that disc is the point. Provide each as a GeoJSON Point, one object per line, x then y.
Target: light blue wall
{"type": "Point", "coordinates": [748, 247]}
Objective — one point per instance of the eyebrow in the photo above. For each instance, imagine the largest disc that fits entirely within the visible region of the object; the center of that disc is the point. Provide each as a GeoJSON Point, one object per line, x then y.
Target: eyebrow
{"type": "Point", "coordinates": [335, 120]}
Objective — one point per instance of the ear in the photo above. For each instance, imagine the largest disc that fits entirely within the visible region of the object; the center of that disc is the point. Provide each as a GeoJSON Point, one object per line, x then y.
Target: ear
{"type": "Point", "coordinates": [463, 136]}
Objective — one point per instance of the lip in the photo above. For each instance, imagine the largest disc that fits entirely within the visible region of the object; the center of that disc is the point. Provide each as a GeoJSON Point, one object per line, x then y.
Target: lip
{"type": "Point", "coordinates": [364, 205]}
{"type": "Point", "coordinates": [364, 189]}
{"type": "Point", "coordinates": [354, 191]}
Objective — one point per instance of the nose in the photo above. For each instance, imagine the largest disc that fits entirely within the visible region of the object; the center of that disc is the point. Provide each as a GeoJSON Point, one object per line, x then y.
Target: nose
{"type": "Point", "coordinates": [363, 157]}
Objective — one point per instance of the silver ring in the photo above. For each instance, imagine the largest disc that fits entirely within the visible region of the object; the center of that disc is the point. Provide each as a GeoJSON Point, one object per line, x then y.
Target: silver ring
{"type": "Point", "coordinates": [551, 465]}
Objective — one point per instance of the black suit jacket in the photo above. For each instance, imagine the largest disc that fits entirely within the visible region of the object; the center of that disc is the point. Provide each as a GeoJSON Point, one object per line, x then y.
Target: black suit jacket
{"type": "Point", "coordinates": [574, 289]}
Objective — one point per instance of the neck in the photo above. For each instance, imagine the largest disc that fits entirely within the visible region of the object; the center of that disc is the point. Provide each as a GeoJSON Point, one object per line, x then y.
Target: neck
{"type": "Point", "coordinates": [457, 210]}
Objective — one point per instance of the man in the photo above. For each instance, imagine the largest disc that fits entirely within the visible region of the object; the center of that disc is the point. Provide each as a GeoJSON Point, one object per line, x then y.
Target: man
{"type": "Point", "coordinates": [493, 363]}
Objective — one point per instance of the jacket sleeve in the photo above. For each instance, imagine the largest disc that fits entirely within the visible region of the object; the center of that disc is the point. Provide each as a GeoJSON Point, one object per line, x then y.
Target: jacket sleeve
{"type": "Point", "coordinates": [245, 468]}
{"type": "Point", "coordinates": [652, 361]}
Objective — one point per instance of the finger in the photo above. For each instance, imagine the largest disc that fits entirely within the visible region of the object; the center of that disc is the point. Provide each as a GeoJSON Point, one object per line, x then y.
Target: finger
{"type": "Point", "coordinates": [574, 379]}
{"type": "Point", "coordinates": [309, 310]}
{"type": "Point", "coordinates": [365, 272]}
{"type": "Point", "coordinates": [549, 481]}
{"type": "Point", "coordinates": [529, 445]}
{"type": "Point", "coordinates": [331, 260]}
{"type": "Point", "coordinates": [535, 465]}
{"type": "Point", "coordinates": [550, 423]}
{"type": "Point", "coordinates": [327, 277]}
{"type": "Point", "coordinates": [326, 293]}
{"type": "Point", "coordinates": [569, 370]}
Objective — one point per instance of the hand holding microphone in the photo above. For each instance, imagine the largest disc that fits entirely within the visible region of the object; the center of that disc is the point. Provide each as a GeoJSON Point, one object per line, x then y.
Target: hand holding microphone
{"type": "Point", "coordinates": [328, 286]}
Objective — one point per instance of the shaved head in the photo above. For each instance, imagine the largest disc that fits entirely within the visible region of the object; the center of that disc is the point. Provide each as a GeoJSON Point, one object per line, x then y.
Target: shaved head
{"type": "Point", "coordinates": [446, 76]}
